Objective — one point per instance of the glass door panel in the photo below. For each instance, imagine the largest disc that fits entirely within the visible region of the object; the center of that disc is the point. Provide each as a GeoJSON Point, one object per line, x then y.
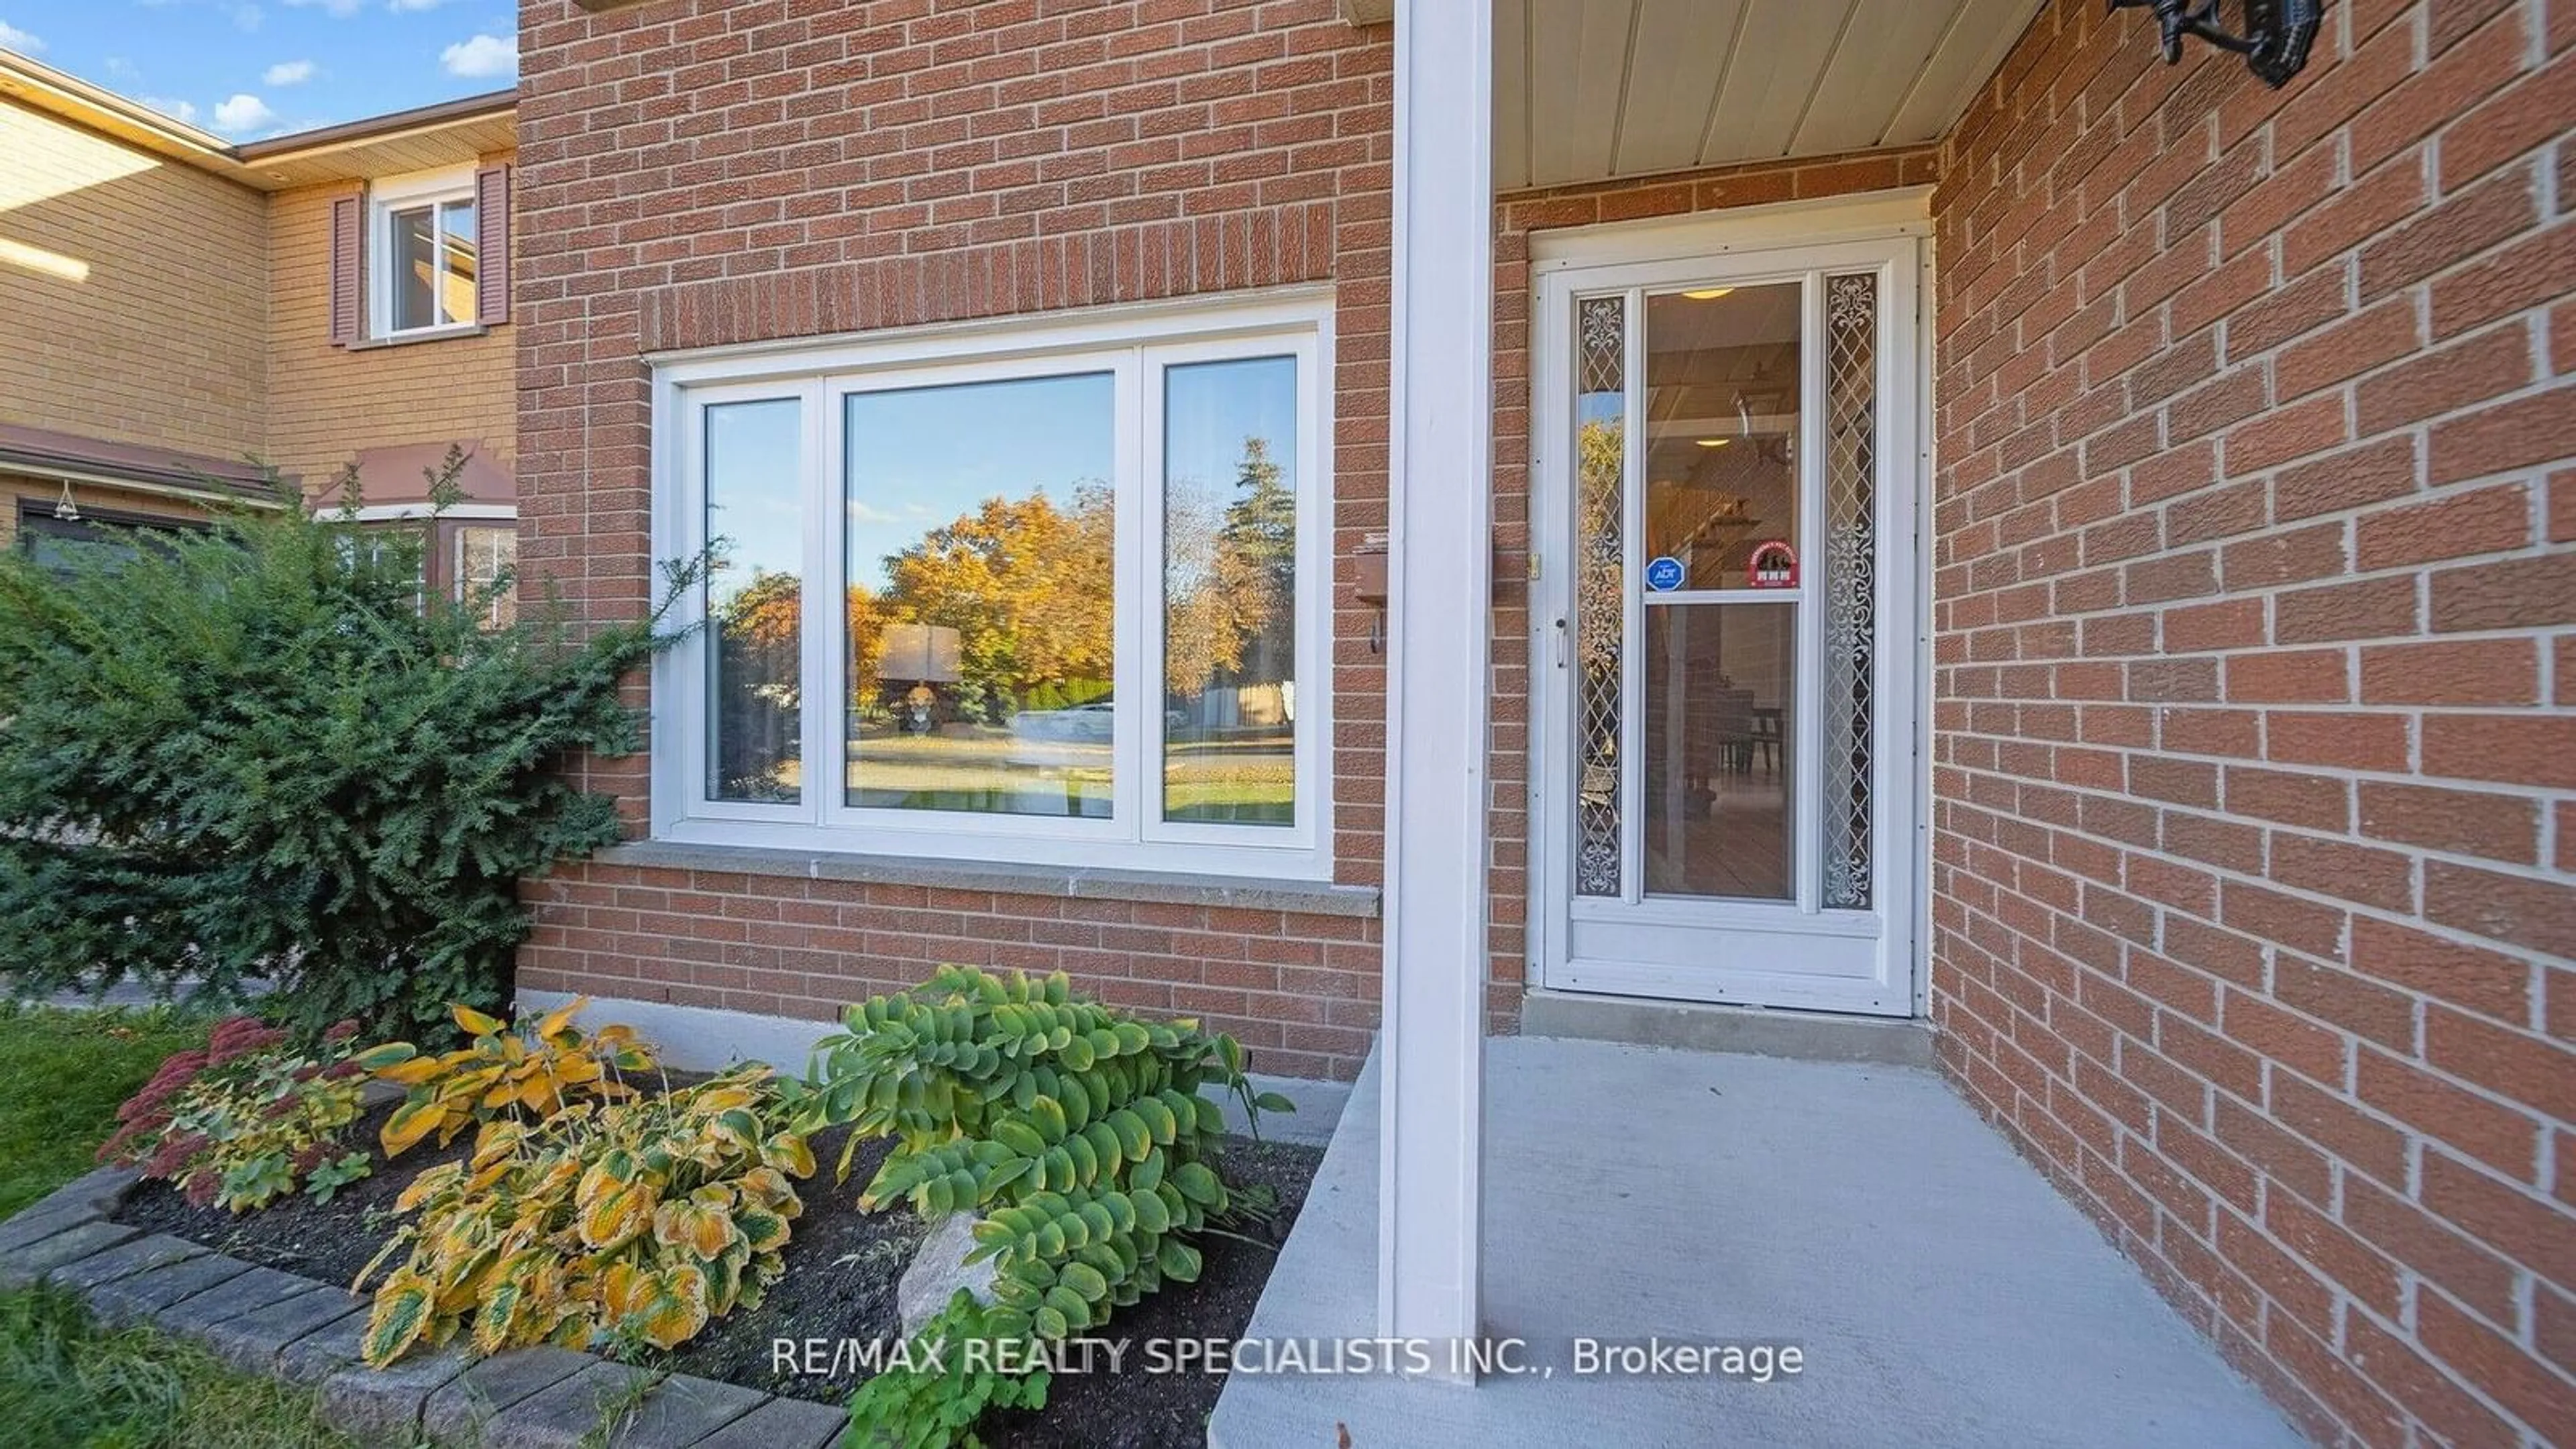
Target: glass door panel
{"type": "Point", "coordinates": [1721, 458]}
{"type": "Point", "coordinates": [1720, 717]}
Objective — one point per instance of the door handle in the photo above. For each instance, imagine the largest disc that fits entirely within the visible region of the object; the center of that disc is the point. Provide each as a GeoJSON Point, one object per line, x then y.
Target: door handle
{"type": "Point", "coordinates": [1560, 644]}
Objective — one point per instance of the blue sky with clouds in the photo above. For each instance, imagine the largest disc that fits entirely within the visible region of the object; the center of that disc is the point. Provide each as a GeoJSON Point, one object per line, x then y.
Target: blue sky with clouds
{"type": "Point", "coordinates": [247, 69]}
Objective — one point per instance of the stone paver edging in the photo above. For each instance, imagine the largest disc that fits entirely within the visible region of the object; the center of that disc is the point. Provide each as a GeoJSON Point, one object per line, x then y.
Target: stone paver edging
{"type": "Point", "coordinates": [265, 1321]}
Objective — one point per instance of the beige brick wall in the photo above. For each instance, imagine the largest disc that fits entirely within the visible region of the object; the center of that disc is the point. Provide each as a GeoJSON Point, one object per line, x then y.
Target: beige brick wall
{"type": "Point", "coordinates": [326, 402]}
{"type": "Point", "coordinates": [132, 308]}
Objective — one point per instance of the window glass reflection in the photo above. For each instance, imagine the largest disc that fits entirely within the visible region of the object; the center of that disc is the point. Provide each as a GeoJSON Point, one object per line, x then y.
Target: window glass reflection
{"type": "Point", "coordinates": [754, 602]}
{"type": "Point", "coordinates": [1230, 592]}
{"type": "Point", "coordinates": [981, 533]}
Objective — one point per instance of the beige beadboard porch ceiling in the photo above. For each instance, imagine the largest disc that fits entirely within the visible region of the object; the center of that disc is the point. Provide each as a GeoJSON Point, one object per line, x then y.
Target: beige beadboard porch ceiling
{"type": "Point", "coordinates": [1585, 90]}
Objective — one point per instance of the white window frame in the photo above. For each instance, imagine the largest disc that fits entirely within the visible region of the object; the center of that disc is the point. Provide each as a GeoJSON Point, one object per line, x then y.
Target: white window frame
{"type": "Point", "coordinates": [457, 583]}
{"type": "Point", "coordinates": [443, 188]}
{"type": "Point", "coordinates": [1133, 344]}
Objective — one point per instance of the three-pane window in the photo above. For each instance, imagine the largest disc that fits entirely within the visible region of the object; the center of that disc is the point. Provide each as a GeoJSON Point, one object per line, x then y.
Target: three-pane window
{"type": "Point", "coordinates": [1061, 606]}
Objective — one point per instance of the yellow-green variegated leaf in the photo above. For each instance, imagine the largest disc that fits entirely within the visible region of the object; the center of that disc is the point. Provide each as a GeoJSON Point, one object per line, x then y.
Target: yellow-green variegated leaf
{"type": "Point", "coordinates": [430, 1183]}
{"type": "Point", "coordinates": [624, 1286]}
{"type": "Point", "coordinates": [597, 1182]}
{"type": "Point", "coordinates": [496, 1140]}
{"type": "Point", "coordinates": [401, 1315]}
{"type": "Point", "coordinates": [497, 1314]}
{"type": "Point", "coordinates": [617, 1216]}
{"type": "Point", "coordinates": [558, 1020]}
{"type": "Point", "coordinates": [690, 1225]}
{"type": "Point", "coordinates": [386, 1054]}
{"type": "Point", "coordinates": [678, 1310]}
{"type": "Point", "coordinates": [409, 1123]}
{"type": "Point", "coordinates": [474, 1023]}
{"type": "Point", "coordinates": [770, 1188]}
{"type": "Point", "coordinates": [764, 1230]}
{"type": "Point", "coordinates": [724, 1284]}
{"type": "Point", "coordinates": [788, 1153]}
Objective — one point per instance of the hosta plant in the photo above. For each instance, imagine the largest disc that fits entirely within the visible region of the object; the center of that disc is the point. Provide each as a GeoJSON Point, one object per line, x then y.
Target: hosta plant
{"type": "Point", "coordinates": [1078, 1133]}
{"type": "Point", "coordinates": [246, 1120]}
{"type": "Point", "coordinates": [532, 1070]}
{"type": "Point", "coordinates": [627, 1223]}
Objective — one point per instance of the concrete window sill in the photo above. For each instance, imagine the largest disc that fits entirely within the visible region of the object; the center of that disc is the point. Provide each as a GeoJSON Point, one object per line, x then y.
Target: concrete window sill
{"type": "Point", "coordinates": [1235, 892]}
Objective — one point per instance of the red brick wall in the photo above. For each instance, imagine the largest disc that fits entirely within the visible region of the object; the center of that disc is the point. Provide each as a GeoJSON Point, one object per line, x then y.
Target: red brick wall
{"type": "Point", "coordinates": [2253, 912]}
{"type": "Point", "coordinates": [1299, 989]}
{"type": "Point", "coordinates": [1516, 217]}
{"type": "Point", "coordinates": [702, 171]}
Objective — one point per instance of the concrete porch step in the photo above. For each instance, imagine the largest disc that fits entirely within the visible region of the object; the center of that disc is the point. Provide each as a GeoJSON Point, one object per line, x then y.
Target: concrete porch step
{"type": "Point", "coordinates": [1695, 1026]}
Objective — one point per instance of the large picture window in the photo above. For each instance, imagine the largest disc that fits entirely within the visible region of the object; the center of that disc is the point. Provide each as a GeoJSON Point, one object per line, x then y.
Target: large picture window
{"type": "Point", "coordinates": [1051, 597]}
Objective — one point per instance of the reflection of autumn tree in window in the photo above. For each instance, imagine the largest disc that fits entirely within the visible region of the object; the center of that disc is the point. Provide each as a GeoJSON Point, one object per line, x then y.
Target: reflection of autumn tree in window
{"type": "Point", "coordinates": [1028, 587]}
{"type": "Point", "coordinates": [759, 641]}
{"type": "Point", "coordinates": [866, 644]}
{"type": "Point", "coordinates": [1230, 584]}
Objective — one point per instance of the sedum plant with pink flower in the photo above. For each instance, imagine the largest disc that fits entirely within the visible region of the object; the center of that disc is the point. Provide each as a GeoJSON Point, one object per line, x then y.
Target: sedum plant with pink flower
{"type": "Point", "coordinates": [247, 1120]}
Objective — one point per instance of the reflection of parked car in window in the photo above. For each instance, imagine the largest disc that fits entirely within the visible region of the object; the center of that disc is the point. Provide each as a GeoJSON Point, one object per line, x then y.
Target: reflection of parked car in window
{"type": "Point", "coordinates": [1090, 724]}
{"type": "Point", "coordinates": [1079, 735]}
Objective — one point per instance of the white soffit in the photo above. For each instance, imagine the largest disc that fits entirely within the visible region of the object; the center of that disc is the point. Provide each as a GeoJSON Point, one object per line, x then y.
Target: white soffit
{"type": "Point", "coordinates": [1586, 90]}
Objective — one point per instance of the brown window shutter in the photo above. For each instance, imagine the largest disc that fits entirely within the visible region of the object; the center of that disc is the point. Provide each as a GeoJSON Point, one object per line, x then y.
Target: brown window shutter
{"type": "Point", "coordinates": [348, 269]}
{"type": "Point", "coordinates": [492, 245]}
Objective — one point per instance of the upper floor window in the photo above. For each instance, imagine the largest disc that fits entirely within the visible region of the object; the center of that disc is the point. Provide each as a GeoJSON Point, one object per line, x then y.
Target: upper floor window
{"type": "Point", "coordinates": [1055, 595]}
{"type": "Point", "coordinates": [421, 254]}
{"type": "Point", "coordinates": [425, 253]}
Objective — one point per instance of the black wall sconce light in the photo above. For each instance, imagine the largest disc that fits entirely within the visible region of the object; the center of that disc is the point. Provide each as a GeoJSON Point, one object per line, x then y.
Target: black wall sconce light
{"type": "Point", "coordinates": [2275, 42]}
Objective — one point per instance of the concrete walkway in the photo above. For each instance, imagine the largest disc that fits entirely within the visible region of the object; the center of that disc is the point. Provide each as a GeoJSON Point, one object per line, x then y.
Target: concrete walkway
{"type": "Point", "coordinates": [1939, 1290]}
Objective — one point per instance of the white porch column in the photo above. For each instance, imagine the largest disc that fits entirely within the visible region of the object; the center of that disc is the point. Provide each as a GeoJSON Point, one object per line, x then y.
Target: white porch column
{"type": "Point", "coordinates": [1440, 563]}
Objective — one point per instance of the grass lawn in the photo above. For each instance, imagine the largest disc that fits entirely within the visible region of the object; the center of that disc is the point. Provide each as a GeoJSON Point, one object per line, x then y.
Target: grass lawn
{"type": "Point", "coordinates": [62, 1379]}
{"type": "Point", "coordinates": [62, 1074]}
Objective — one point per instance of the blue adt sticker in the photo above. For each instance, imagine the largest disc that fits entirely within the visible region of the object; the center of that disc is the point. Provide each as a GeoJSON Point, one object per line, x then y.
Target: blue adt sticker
{"type": "Point", "coordinates": [1664, 574]}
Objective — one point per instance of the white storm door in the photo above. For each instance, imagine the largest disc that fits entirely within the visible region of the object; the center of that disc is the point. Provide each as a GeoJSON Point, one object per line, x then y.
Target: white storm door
{"type": "Point", "coordinates": [1727, 472]}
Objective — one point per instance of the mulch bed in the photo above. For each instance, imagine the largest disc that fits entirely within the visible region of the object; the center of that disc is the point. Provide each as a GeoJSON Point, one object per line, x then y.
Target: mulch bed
{"type": "Point", "coordinates": [841, 1268]}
